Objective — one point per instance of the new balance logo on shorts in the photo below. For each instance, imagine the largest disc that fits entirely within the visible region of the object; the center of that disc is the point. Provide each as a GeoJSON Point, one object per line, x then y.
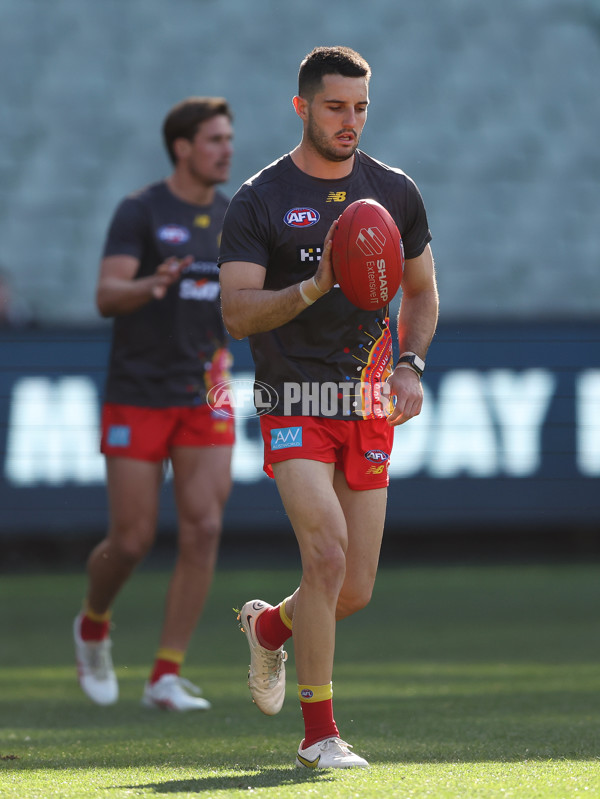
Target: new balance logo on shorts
{"type": "Point", "coordinates": [285, 437]}
{"type": "Point", "coordinates": [377, 469]}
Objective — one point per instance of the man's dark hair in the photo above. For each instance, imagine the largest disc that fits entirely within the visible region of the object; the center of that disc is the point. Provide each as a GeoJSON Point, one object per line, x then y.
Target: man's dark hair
{"type": "Point", "coordinates": [329, 61]}
{"type": "Point", "coordinates": [184, 119]}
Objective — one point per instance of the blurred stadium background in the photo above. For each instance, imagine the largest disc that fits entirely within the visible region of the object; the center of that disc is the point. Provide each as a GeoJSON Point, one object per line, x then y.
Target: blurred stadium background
{"type": "Point", "coordinates": [492, 108]}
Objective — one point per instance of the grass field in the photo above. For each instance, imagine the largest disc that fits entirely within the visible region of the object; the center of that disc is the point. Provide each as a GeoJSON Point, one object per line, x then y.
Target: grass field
{"type": "Point", "coordinates": [455, 682]}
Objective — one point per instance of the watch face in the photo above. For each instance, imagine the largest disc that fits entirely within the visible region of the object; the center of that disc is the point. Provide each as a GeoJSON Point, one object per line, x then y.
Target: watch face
{"type": "Point", "coordinates": [417, 363]}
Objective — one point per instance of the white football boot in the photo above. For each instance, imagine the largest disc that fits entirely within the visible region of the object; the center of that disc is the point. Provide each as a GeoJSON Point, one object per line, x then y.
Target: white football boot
{"type": "Point", "coordinates": [266, 673]}
{"type": "Point", "coordinates": [171, 692]}
{"type": "Point", "coordinates": [95, 667]}
{"type": "Point", "coordinates": [330, 753]}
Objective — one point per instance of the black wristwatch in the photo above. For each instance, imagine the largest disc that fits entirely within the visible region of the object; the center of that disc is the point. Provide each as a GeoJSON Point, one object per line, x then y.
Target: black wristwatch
{"type": "Point", "coordinates": [412, 360]}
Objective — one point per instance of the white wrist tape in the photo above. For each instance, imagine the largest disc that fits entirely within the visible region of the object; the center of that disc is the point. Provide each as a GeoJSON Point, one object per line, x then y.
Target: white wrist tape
{"type": "Point", "coordinates": [306, 299]}
{"type": "Point", "coordinates": [407, 366]}
{"type": "Point", "coordinates": [314, 289]}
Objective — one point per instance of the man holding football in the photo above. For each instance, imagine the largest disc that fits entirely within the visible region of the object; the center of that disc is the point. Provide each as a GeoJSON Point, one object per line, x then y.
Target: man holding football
{"type": "Point", "coordinates": [303, 332]}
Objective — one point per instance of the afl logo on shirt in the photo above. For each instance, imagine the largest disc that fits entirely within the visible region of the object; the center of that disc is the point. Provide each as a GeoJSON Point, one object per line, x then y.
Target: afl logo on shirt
{"type": "Point", "coordinates": [301, 217]}
{"type": "Point", "coordinates": [174, 234]}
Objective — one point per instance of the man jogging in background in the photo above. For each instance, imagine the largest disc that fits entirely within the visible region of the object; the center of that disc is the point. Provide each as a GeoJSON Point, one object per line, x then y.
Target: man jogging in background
{"type": "Point", "coordinates": [159, 280]}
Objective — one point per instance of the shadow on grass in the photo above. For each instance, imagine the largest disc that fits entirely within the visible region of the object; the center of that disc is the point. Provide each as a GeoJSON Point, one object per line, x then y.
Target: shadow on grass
{"type": "Point", "coordinates": [242, 780]}
{"type": "Point", "coordinates": [439, 720]}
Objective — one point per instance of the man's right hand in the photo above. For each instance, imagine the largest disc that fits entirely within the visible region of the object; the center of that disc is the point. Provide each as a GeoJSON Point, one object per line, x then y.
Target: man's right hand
{"type": "Point", "coordinates": [168, 273]}
{"type": "Point", "coordinates": [324, 276]}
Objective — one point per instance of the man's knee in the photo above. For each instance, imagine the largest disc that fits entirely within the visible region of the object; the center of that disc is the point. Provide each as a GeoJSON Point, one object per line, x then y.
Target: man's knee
{"type": "Point", "coordinates": [199, 537]}
{"type": "Point", "coordinates": [324, 567]}
{"type": "Point", "coordinates": [352, 600]}
{"type": "Point", "coordinates": [130, 545]}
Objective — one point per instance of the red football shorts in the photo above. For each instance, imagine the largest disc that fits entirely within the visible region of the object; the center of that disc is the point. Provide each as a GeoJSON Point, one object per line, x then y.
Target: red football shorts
{"type": "Point", "coordinates": [148, 434]}
{"type": "Point", "coordinates": [359, 448]}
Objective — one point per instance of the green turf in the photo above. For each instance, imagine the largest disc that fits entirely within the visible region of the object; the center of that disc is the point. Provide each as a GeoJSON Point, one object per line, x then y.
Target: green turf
{"type": "Point", "coordinates": [455, 682]}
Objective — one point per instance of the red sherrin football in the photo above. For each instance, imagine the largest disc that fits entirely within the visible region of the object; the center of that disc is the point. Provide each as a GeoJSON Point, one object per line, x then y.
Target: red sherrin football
{"type": "Point", "coordinates": [367, 255]}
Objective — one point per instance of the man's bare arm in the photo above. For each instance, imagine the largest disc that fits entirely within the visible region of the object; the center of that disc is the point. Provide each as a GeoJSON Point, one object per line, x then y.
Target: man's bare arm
{"type": "Point", "coordinates": [417, 320]}
{"type": "Point", "coordinates": [118, 290]}
{"type": "Point", "coordinates": [250, 308]}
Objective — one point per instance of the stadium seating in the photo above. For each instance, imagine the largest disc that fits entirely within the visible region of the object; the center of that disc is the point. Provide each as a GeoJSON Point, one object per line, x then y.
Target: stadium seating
{"type": "Point", "coordinates": [492, 108]}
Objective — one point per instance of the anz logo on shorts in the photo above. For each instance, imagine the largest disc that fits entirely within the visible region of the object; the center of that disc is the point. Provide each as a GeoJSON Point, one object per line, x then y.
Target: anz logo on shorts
{"type": "Point", "coordinates": [286, 437]}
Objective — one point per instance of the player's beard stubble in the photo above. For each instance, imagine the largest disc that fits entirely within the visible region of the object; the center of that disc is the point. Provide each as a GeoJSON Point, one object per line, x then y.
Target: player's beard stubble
{"type": "Point", "coordinates": [324, 146]}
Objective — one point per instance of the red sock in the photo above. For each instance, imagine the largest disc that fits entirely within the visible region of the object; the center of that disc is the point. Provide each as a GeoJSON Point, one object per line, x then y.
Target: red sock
{"type": "Point", "coordinates": [316, 702]}
{"type": "Point", "coordinates": [168, 661]}
{"type": "Point", "coordinates": [162, 667]}
{"type": "Point", "coordinates": [271, 631]}
{"type": "Point", "coordinates": [318, 722]}
{"type": "Point", "coordinates": [91, 630]}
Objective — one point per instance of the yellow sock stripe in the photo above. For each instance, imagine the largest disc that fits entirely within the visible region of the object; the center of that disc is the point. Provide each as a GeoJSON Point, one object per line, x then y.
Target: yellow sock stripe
{"type": "Point", "coordinates": [99, 617]}
{"type": "Point", "coordinates": [283, 615]}
{"type": "Point", "coordinates": [315, 693]}
{"type": "Point", "coordinates": [172, 655]}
